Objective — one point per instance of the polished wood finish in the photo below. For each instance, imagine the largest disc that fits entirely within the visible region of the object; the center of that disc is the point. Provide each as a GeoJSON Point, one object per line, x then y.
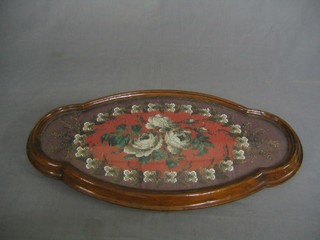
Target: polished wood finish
{"type": "Point", "coordinates": [164, 200]}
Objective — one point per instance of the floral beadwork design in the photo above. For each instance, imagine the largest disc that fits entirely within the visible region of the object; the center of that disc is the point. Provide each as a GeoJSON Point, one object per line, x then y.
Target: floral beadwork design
{"type": "Point", "coordinates": [158, 143]}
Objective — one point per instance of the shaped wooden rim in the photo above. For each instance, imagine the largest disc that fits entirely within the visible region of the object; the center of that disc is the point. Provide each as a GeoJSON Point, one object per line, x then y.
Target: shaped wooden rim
{"type": "Point", "coordinates": [165, 200]}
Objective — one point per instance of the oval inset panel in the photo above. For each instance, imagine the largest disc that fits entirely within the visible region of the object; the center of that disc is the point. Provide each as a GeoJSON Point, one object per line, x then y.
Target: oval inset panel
{"type": "Point", "coordinates": [165, 150]}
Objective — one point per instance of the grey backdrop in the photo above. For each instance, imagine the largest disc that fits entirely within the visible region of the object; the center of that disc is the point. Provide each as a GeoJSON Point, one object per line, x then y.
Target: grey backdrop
{"type": "Point", "coordinates": [262, 54]}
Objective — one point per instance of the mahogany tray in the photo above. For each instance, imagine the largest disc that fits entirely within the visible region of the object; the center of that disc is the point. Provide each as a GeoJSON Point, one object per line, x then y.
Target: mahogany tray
{"type": "Point", "coordinates": [164, 149]}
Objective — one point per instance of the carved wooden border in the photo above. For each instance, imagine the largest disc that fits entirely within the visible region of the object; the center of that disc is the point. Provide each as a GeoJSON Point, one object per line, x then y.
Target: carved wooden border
{"type": "Point", "coordinates": [165, 200]}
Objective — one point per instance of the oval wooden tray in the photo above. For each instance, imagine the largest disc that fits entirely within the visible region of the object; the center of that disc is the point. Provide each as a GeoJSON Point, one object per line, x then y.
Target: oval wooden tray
{"type": "Point", "coordinates": [164, 149]}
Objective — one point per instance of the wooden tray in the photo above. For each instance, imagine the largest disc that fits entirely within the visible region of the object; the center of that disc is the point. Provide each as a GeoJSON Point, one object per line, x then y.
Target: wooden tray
{"type": "Point", "coordinates": [164, 149]}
